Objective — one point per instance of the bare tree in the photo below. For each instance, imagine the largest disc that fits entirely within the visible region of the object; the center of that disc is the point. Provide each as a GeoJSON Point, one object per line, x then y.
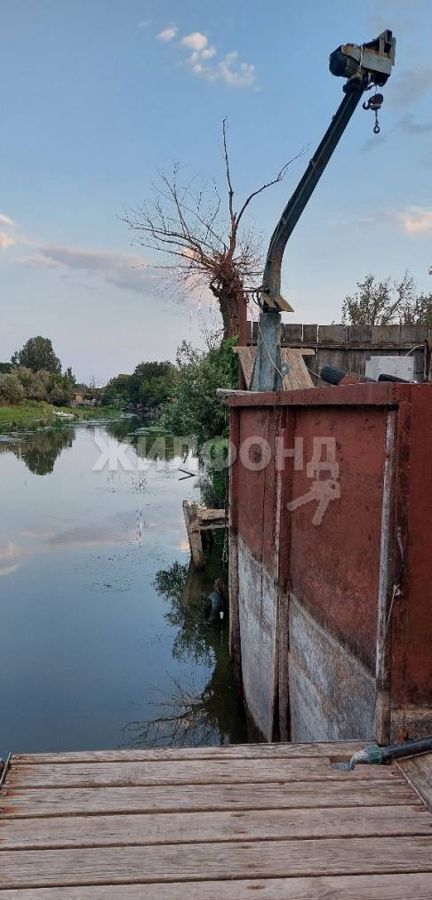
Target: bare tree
{"type": "Point", "coordinates": [206, 241]}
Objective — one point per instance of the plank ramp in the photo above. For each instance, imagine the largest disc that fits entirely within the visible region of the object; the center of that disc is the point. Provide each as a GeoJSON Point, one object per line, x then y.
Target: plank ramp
{"type": "Point", "coordinates": [297, 375]}
{"type": "Point", "coordinates": [275, 821]}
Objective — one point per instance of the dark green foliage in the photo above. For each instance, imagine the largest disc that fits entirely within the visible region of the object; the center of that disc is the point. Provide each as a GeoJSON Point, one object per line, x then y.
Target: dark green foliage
{"type": "Point", "coordinates": [60, 390]}
{"type": "Point", "coordinates": [188, 718]}
{"type": "Point", "coordinates": [196, 409]}
{"type": "Point", "coordinates": [40, 450]}
{"type": "Point", "coordinates": [36, 354]}
{"type": "Point", "coordinates": [150, 386]}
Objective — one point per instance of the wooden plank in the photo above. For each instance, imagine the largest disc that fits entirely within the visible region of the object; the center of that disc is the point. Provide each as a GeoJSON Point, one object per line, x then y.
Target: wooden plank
{"type": "Point", "coordinates": [88, 801]}
{"type": "Point", "coordinates": [210, 516]}
{"type": "Point", "coordinates": [199, 862]}
{"type": "Point", "coordinates": [340, 750]}
{"type": "Point", "coordinates": [296, 377]}
{"type": "Point", "coordinates": [246, 356]}
{"type": "Point", "coordinates": [351, 887]}
{"type": "Point", "coordinates": [419, 772]}
{"type": "Point", "coordinates": [191, 772]}
{"type": "Point", "coordinates": [193, 533]}
{"type": "Point", "coordinates": [195, 827]}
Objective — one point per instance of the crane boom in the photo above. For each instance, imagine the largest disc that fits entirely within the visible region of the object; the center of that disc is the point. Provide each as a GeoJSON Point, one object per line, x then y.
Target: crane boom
{"type": "Point", "coordinates": [364, 66]}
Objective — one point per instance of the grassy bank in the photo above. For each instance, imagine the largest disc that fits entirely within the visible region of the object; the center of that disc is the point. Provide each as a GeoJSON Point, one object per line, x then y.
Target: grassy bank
{"type": "Point", "coordinates": [31, 414]}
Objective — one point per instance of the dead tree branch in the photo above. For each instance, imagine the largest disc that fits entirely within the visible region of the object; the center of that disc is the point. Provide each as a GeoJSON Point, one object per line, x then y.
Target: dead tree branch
{"type": "Point", "coordinates": [209, 250]}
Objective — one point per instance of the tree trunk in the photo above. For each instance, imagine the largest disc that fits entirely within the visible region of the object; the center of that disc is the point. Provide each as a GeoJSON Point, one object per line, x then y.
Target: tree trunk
{"type": "Point", "coordinates": [233, 309]}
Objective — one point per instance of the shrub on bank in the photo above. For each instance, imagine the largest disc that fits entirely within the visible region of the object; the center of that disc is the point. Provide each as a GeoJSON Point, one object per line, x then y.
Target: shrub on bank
{"type": "Point", "coordinates": [11, 389]}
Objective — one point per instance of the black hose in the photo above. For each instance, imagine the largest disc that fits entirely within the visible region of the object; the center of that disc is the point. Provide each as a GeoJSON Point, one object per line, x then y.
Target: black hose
{"type": "Point", "coordinates": [408, 748]}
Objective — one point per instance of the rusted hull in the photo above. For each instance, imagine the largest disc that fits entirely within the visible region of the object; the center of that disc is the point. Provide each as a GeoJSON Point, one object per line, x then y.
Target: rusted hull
{"type": "Point", "coordinates": [331, 603]}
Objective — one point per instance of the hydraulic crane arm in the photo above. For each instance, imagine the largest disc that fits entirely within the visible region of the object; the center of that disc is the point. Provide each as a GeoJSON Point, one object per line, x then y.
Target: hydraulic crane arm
{"type": "Point", "coordinates": [270, 290]}
{"type": "Point", "coordinates": [364, 66]}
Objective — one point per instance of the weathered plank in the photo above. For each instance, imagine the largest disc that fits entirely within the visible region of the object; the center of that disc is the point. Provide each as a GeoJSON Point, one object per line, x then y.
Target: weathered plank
{"type": "Point", "coordinates": [171, 828]}
{"type": "Point", "coordinates": [297, 375]}
{"type": "Point", "coordinates": [340, 750]}
{"type": "Point", "coordinates": [198, 862]}
{"type": "Point", "coordinates": [191, 772]}
{"type": "Point", "coordinates": [88, 801]}
{"type": "Point", "coordinates": [419, 772]}
{"type": "Point", "coordinates": [352, 887]}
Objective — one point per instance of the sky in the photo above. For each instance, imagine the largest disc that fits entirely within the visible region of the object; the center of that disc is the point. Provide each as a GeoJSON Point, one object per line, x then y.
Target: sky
{"type": "Point", "coordinates": [97, 96]}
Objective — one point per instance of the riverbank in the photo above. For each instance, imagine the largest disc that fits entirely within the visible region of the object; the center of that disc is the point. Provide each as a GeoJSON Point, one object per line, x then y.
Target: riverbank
{"type": "Point", "coordinates": [33, 413]}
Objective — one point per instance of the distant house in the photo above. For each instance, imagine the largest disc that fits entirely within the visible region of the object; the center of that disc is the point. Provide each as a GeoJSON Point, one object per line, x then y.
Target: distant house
{"type": "Point", "coordinates": [79, 394]}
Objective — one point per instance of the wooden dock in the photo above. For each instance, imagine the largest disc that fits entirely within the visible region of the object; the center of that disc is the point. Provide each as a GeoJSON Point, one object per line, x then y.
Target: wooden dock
{"type": "Point", "coordinates": [199, 519]}
{"type": "Point", "coordinates": [276, 822]}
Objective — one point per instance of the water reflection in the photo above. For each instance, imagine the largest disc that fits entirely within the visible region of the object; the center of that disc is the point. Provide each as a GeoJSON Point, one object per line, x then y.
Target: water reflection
{"type": "Point", "coordinates": [40, 450]}
{"type": "Point", "coordinates": [101, 620]}
{"type": "Point", "coordinates": [189, 717]}
{"type": "Point", "coordinates": [148, 442]}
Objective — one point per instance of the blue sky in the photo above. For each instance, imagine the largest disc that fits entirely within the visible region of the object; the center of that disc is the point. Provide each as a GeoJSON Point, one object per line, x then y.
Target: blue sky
{"type": "Point", "coordinates": [96, 95]}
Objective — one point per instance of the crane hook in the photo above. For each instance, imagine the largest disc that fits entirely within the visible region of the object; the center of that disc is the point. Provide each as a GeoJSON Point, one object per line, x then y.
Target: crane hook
{"type": "Point", "coordinates": [375, 103]}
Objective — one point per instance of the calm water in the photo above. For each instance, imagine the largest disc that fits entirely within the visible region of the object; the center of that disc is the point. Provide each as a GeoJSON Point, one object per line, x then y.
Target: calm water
{"type": "Point", "coordinates": [104, 641]}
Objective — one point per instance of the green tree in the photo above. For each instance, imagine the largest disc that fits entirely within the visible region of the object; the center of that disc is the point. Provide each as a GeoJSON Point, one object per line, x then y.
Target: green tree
{"type": "Point", "coordinates": [387, 302]}
{"type": "Point", "coordinates": [152, 384]}
{"type": "Point", "coordinates": [37, 353]}
{"type": "Point", "coordinates": [34, 383]}
{"type": "Point", "coordinates": [116, 391]}
{"type": "Point", "coordinates": [60, 389]}
{"type": "Point", "coordinates": [11, 389]}
{"type": "Point", "coordinates": [378, 302]}
{"type": "Point", "coordinates": [419, 312]}
{"type": "Point", "coordinates": [196, 410]}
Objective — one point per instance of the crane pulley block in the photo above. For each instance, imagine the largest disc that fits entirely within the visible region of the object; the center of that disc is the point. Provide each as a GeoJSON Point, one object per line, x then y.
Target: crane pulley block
{"type": "Point", "coordinates": [372, 61]}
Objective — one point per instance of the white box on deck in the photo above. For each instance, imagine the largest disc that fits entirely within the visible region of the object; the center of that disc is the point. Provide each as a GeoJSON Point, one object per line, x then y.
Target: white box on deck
{"type": "Point", "coordinates": [399, 366]}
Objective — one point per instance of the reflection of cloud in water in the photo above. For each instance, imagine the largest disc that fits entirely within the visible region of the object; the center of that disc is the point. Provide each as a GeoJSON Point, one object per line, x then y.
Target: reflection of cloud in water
{"type": "Point", "coordinates": [38, 534]}
{"type": "Point", "coordinates": [119, 530]}
{"type": "Point", "coordinates": [183, 545]}
{"type": "Point", "coordinates": [93, 536]}
{"type": "Point", "coordinates": [11, 558]}
{"type": "Point", "coordinates": [128, 529]}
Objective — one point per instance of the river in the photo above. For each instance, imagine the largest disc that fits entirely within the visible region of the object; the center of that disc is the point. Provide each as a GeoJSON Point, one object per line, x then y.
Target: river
{"type": "Point", "coordinates": [104, 636]}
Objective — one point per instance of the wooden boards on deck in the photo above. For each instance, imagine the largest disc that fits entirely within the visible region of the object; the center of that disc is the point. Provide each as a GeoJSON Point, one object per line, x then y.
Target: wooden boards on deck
{"type": "Point", "coordinates": [274, 821]}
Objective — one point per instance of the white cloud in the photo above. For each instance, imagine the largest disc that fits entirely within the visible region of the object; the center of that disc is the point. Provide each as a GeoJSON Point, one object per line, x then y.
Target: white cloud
{"type": "Point", "coordinates": [205, 63]}
{"type": "Point", "coordinates": [230, 71]}
{"type": "Point", "coordinates": [6, 240]}
{"type": "Point", "coordinates": [195, 41]}
{"type": "Point", "coordinates": [415, 220]}
{"type": "Point", "coordinates": [6, 220]}
{"type": "Point", "coordinates": [208, 53]}
{"type": "Point", "coordinates": [168, 34]}
{"type": "Point", "coordinates": [121, 269]}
